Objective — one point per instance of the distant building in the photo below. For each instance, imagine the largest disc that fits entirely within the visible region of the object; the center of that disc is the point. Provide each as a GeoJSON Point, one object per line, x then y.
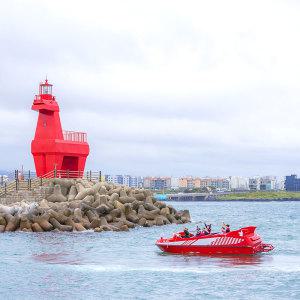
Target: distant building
{"type": "Point", "coordinates": [157, 183]}
{"type": "Point", "coordinates": [267, 183]}
{"type": "Point", "coordinates": [254, 184]}
{"type": "Point", "coordinates": [279, 185]}
{"type": "Point", "coordinates": [196, 182]}
{"type": "Point", "coordinates": [292, 183]}
{"type": "Point", "coordinates": [239, 183]}
{"type": "Point", "coordinates": [189, 182]}
{"type": "Point", "coordinates": [128, 180]}
{"type": "Point", "coordinates": [174, 182]}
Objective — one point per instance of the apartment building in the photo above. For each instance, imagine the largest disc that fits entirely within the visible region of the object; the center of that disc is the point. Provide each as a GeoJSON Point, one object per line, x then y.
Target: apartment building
{"type": "Point", "coordinates": [157, 183]}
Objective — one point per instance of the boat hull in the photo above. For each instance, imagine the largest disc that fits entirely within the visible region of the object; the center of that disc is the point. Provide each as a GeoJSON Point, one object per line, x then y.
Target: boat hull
{"type": "Point", "coordinates": [206, 250]}
{"type": "Point", "coordinates": [242, 241]}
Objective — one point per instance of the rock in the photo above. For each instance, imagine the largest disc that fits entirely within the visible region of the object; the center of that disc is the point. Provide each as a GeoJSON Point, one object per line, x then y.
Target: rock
{"type": "Point", "coordinates": [123, 193]}
{"type": "Point", "coordinates": [139, 196]}
{"type": "Point", "coordinates": [24, 223]}
{"type": "Point", "coordinates": [184, 214]}
{"type": "Point", "coordinates": [43, 222]}
{"type": "Point", "coordinates": [126, 199]}
{"type": "Point", "coordinates": [173, 211]}
{"type": "Point", "coordinates": [151, 223]}
{"type": "Point", "coordinates": [135, 205]}
{"type": "Point", "coordinates": [160, 204]}
{"type": "Point", "coordinates": [79, 187]}
{"type": "Point", "coordinates": [80, 204]}
{"type": "Point", "coordinates": [13, 222]}
{"type": "Point", "coordinates": [36, 227]}
{"type": "Point", "coordinates": [96, 203]}
{"type": "Point", "coordinates": [151, 207]}
{"type": "Point", "coordinates": [127, 208]}
{"type": "Point", "coordinates": [159, 221]}
{"type": "Point", "coordinates": [67, 212]}
{"type": "Point", "coordinates": [171, 218]}
{"type": "Point", "coordinates": [149, 215]}
{"type": "Point", "coordinates": [72, 193]}
{"type": "Point", "coordinates": [59, 226]}
{"type": "Point", "coordinates": [2, 228]}
{"type": "Point", "coordinates": [129, 224]}
{"type": "Point", "coordinates": [149, 199]}
{"type": "Point", "coordinates": [79, 227]}
{"type": "Point", "coordinates": [77, 215]}
{"type": "Point", "coordinates": [114, 197]}
{"type": "Point", "coordinates": [75, 204]}
{"type": "Point", "coordinates": [70, 222]}
{"type": "Point", "coordinates": [165, 211]}
{"type": "Point", "coordinates": [98, 229]}
{"type": "Point", "coordinates": [103, 222]}
{"type": "Point", "coordinates": [95, 223]}
{"type": "Point", "coordinates": [116, 213]}
{"type": "Point", "coordinates": [102, 210]}
{"type": "Point", "coordinates": [91, 215]}
{"type": "Point", "coordinates": [96, 187]}
{"type": "Point", "coordinates": [57, 196]}
{"type": "Point", "coordinates": [116, 190]}
{"type": "Point", "coordinates": [142, 221]}
{"type": "Point", "coordinates": [7, 210]}
{"type": "Point", "coordinates": [86, 192]}
{"type": "Point", "coordinates": [89, 199]}
{"type": "Point", "coordinates": [58, 216]}
{"type": "Point", "coordinates": [119, 205]}
{"type": "Point", "coordinates": [105, 228]}
{"type": "Point", "coordinates": [65, 184]}
{"type": "Point", "coordinates": [44, 204]}
{"type": "Point", "coordinates": [2, 220]}
{"type": "Point", "coordinates": [109, 218]}
{"type": "Point", "coordinates": [133, 217]}
{"type": "Point", "coordinates": [85, 222]}
{"type": "Point", "coordinates": [103, 190]}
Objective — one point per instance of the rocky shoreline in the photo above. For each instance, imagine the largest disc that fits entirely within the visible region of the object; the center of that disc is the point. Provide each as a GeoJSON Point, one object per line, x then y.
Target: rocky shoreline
{"type": "Point", "coordinates": [79, 205]}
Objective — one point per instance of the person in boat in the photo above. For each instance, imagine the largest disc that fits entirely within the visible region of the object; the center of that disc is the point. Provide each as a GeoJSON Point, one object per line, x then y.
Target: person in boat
{"type": "Point", "coordinates": [225, 228]}
{"type": "Point", "coordinates": [198, 231]}
{"type": "Point", "coordinates": [207, 229]}
{"type": "Point", "coordinates": [186, 233]}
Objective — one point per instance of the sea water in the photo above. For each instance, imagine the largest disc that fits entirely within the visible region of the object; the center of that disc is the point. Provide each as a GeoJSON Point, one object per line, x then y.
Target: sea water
{"type": "Point", "coordinates": [128, 265]}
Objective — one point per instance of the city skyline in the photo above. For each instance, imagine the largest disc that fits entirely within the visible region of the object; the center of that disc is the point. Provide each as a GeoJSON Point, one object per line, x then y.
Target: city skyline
{"type": "Point", "coordinates": [160, 92]}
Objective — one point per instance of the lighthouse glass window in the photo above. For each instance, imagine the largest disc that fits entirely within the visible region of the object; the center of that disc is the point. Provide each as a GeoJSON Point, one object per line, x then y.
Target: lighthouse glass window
{"type": "Point", "coordinates": [47, 89]}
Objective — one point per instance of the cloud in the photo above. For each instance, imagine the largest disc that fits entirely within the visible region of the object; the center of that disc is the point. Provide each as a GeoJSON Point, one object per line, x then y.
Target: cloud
{"type": "Point", "coordinates": [164, 88]}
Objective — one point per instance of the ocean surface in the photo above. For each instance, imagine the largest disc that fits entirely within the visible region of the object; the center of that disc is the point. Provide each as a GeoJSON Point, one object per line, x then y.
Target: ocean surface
{"type": "Point", "coordinates": [128, 265]}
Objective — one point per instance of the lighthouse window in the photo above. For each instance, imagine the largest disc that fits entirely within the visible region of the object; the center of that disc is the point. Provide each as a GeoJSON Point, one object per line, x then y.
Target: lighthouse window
{"type": "Point", "coordinates": [47, 89]}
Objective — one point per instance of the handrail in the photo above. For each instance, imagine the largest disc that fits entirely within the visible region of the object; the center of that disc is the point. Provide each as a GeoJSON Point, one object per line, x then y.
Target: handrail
{"type": "Point", "coordinates": [29, 183]}
{"type": "Point", "coordinates": [75, 136]}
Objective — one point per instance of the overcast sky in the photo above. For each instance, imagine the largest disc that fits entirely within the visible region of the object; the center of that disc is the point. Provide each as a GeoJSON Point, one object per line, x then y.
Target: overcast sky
{"type": "Point", "coordinates": [161, 87]}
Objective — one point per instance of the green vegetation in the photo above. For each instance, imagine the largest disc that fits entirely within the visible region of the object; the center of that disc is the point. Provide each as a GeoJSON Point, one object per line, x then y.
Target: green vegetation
{"type": "Point", "coordinates": [260, 195]}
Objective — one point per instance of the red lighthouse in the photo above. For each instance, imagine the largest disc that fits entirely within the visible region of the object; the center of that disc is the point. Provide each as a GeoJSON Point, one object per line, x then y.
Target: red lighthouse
{"type": "Point", "coordinates": [52, 148]}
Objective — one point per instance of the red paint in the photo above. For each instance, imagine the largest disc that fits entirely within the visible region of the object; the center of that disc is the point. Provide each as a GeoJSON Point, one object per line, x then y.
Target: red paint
{"type": "Point", "coordinates": [52, 148]}
{"type": "Point", "coordinates": [242, 241]}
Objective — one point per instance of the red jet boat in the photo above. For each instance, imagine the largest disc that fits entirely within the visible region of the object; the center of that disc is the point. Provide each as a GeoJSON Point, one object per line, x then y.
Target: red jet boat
{"type": "Point", "coordinates": [241, 241]}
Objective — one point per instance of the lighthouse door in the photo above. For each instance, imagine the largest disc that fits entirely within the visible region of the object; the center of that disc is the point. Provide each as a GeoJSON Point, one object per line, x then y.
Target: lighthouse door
{"type": "Point", "coordinates": [70, 163]}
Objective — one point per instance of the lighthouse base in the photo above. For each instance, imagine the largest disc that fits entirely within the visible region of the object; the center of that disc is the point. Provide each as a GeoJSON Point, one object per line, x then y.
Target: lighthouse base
{"type": "Point", "coordinates": [68, 157]}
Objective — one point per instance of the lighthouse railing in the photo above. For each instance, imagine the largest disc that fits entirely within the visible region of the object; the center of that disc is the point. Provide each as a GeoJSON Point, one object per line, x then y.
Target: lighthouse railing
{"type": "Point", "coordinates": [75, 136]}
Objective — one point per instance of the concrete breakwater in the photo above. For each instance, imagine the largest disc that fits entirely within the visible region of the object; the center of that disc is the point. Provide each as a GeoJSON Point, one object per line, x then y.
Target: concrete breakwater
{"type": "Point", "coordinates": [78, 205]}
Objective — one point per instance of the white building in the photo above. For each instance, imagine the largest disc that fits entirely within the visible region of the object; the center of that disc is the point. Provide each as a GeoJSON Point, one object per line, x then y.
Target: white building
{"type": "Point", "coordinates": [238, 183]}
{"type": "Point", "coordinates": [131, 181]}
{"type": "Point", "coordinates": [174, 182]}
